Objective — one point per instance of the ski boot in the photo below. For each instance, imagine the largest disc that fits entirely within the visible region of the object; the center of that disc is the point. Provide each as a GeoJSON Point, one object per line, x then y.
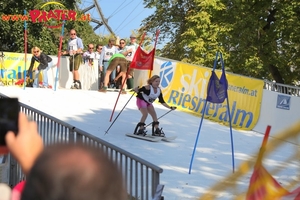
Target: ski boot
{"type": "Point", "coordinates": [141, 130]}
{"type": "Point", "coordinates": [156, 131]}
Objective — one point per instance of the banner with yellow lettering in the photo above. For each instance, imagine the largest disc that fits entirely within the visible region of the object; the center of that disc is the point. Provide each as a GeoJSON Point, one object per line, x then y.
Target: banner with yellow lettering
{"type": "Point", "coordinates": [185, 85]}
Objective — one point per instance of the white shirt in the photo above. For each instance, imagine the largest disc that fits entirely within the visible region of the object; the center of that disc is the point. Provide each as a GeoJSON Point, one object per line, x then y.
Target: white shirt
{"type": "Point", "coordinates": [133, 47]}
{"type": "Point", "coordinates": [152, 96]}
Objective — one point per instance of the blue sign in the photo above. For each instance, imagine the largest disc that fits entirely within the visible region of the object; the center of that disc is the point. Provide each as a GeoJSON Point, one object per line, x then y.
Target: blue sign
{"type": "Point", "coordinates": [283, 102]}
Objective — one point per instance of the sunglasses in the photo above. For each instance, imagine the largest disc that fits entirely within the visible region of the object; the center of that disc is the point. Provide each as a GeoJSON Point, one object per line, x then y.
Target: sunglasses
{"type": "Point", "coordinates": [100, 48]}
{"type": "Point", "coordinates": [73, 33]}
{"type": "Point", "coordinates": [36, 51]}
{"type": "Point", "coordinates": [122, 42]}
{"type": "Point", "coordinates": [91, 47]}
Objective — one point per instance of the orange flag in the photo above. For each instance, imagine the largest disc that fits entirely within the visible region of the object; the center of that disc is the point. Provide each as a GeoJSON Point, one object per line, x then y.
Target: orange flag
{"type": "Point", "coordinates": [262, 185]}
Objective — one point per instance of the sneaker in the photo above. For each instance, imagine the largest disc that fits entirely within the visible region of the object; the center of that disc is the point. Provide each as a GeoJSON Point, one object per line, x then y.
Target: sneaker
{"type": "Point", "coordinates": [47, 87]}
{"type": "Point", "coordinates": [104, 89]}
{"type": "Point", "coordinates": [77, 86]}
{"type": "Point", "coordinates": [73, 86]}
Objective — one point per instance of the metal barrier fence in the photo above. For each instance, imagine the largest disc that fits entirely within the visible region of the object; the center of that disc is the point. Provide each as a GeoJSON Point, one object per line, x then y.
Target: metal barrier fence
{"type": "Point", "coordinates": [141, 177]}
{"type": "Point", "coordinates": [282, 88]}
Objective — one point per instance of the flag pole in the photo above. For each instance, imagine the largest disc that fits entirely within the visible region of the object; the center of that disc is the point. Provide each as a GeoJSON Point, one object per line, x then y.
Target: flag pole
{"type": "Point", "coordinates": [228, 111]}
{"type": "Point", "coordinates": [196, 141]}
{"type": "Point", "coordinates": [156, 37]}
{"type": "Point", "coordinates": [200, 125]}
{"type": "Point", "coordinates": [134, 57]}
{"type": "Point", "coordinates": [59, 54]}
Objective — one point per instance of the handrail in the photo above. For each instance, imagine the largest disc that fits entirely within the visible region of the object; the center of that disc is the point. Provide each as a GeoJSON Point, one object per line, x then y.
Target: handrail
{"type": "Point", "coordinates": [282, 88]}
{"type": "Point", "coordinates": [141, 177]}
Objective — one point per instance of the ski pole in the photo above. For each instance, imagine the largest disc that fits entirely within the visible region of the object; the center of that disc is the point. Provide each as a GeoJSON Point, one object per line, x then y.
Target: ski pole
{"type": "Point", "coordinates": [119, 113]}
{"type": "Point", "coordinates": [161, 116]}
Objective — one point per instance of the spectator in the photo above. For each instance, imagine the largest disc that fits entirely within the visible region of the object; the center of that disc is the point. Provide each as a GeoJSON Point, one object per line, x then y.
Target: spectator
{"type": "Point", "coordinates": [120, 49]}
{"type": "Point", "coordinates": [129, 52]}
{"type": "Point", "coordinates": [63, 171]}
{"type": "Point", "coordinates": [97, 56]}
{"type": "Point", "coordinates": [89, 55]}
{"type": "Point", "coordinates": [130, 48]}
{"type": "Point", "coordinates": [88, 71]}
{"type": "Point", "coordinates": [107, 52]}
{"type": "Point", "coordinates": [75, 49]}
{"type": "Point", "coordinates": [117, 59]}
{"type": "Point", "coordinates": [43, 60]}
{"type": "Point", "coordinates": [121, 46]}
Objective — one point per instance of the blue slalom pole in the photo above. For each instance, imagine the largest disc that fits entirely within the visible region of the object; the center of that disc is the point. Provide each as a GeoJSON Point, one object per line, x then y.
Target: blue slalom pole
{"type": "Point", "coordinates": [200, 125]}
{"type": "Point", "coordinates": [25, 50]}
{"type": "Point", "coordinates": [196, 142]}
{"type": "Point", "coordinates": [230, 124]}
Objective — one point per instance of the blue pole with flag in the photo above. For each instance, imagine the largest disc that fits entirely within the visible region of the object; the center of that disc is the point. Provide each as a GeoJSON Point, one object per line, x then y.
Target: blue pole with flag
{"type": "Point", "coordinates": [200, 125]}
{"type": "Point", "coordinates": [25, 50]}
{"type": "Point", "coordinates": [216, 93]}
{"type": "Point", "coordinates": [228, 112]}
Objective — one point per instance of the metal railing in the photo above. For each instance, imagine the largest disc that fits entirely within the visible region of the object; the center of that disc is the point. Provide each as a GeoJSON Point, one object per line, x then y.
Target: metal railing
{"type": "Point", "coordinates": [141, 177]}
{"type": "Point", "coordinates": [282, 88]}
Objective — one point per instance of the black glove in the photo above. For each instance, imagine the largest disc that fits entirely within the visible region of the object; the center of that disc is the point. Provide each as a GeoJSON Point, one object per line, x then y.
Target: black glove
{"type": "Point", "coordinates": [173, 107]}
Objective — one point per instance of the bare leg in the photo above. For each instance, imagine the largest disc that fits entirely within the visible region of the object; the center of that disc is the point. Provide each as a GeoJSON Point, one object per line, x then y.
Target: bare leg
{"type": "Point", "coordinates": [76, 75]}
{"type": "Point", "coordinates": [155, 123]}
{"type": "Point", "coordinates": [152, 112]}
{"type": "Point", "coordinates": [106, 78]}
{"type": "Point", "coordinates": [144, 112]}
{"type": "Point", "coordinates": [123, 79]}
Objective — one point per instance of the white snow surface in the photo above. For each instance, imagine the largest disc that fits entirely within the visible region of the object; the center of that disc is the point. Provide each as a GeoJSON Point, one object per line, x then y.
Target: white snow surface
{"type": "Point", "coordinates": [91, 112]}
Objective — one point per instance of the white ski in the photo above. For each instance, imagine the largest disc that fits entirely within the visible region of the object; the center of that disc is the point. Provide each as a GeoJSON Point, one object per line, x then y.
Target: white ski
{"type": "Point", "coordinates": [148, 138]}
{"type": "Point", "coordinates": [166, 139]}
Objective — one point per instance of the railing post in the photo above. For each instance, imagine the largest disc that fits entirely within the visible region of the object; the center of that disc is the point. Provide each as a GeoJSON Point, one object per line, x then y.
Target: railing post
{"type": "Point", "coordinates": [72, 137]}
{"type": "Point", "coordinates": [13, 171]}
{"type": "Point", "coordinates": [155, 182]}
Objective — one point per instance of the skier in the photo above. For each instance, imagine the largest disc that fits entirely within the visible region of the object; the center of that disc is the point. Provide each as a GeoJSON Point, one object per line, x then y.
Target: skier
{"type": "Point", "coordinates": [146, 95]}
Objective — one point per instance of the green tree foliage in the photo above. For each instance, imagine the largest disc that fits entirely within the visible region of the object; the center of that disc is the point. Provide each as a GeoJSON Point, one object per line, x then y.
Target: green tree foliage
{"type": "Point", "coordinates": [12, 32]}
{"type": "Point", "coordinates": [257, 38]}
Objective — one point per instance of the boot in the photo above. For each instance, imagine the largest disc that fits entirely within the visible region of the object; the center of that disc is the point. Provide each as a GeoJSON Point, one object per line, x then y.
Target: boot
{"type": "Point", "coordinates": [156, 131]}
{"type": "Point", "coordinates": [77, 84]}
{"type": "Point", "coordinates": [73, 85]}
{"type": "Point", "coordinates": [141, 127]}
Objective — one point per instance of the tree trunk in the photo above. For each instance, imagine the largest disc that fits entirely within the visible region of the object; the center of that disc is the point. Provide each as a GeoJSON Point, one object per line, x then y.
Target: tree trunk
{"type": "Point", "coordinates": [276, 74]}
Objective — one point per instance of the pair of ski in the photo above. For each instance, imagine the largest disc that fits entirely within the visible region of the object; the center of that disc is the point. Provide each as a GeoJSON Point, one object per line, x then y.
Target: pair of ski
{"type": "Point", "coordinates": [152, 138]}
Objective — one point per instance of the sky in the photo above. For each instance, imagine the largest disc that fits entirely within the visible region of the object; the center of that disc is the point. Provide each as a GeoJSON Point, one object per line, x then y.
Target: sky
{"type": "Point", "coordinates": [123, 15]}
{"type": "Point", "coordinates": [91, 111]}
